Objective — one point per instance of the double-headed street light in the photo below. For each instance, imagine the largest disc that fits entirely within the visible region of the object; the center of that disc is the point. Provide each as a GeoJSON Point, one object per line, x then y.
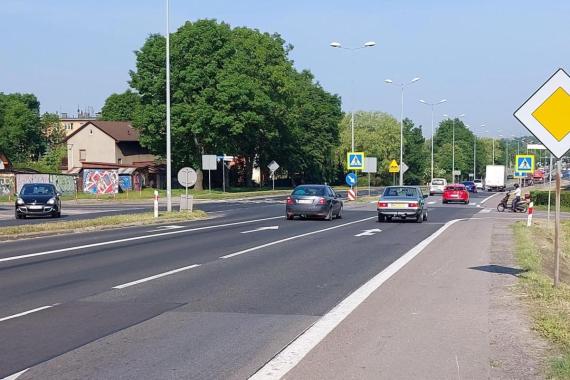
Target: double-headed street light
{"type": "Point", "coordinates": [402, 86]}
{"type": "Point", "coordinates": [338, 45]}
{"type": "Point", "coordinates": [453, 142]}
{"type": "Point", "coordinates": [474, 151]}
{"type": "Point", "coordinates": [432, 105]}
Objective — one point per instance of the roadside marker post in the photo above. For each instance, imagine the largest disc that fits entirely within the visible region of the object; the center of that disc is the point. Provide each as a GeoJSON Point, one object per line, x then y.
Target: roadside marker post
{"type": "Point", "coordinates": [156, 203]}
{"type": "Point", "coordinates": [545, 115]}
{"type": "Point", "coordinates": [530, 212]}
{"type": "Point", "coordinates": [351, 180]}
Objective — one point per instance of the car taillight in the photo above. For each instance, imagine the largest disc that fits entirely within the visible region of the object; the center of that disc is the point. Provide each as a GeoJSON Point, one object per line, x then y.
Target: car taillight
{"type": "Point", "coordinates": [382, 204]}
{"type": "Point", "coordinates": [290, 201]}
{"type": "Point", "coordinates": [413, 204]}
{"type": "Point", "coordinates": [322, 201]}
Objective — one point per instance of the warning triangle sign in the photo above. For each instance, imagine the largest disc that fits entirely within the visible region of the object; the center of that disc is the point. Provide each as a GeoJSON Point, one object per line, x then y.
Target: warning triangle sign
{"type": "Point", "coordinates": [524, 164]}
{"type": "Point", "coordinates": [355, 161]}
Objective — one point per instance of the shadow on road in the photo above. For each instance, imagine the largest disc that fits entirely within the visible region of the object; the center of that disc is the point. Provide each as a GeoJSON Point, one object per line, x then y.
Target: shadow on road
{"type": "Point", "coordinates": [500, 269]}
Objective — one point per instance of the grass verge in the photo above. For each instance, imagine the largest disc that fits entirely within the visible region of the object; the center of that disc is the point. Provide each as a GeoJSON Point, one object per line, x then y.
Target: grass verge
{"type": "Point", "coordinates": [550, 307]}
{"type": "Point", "coordinates": [105, 222]}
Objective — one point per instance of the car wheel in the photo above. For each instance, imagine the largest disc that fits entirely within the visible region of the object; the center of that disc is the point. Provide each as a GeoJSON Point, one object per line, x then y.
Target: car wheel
{"type": "Point", "coordinates": [18, 215]}
{"type": "Point", "coordinates": [290, 216]}
{"type": "Point", "coordinates": [329, 215]}
{"type": "Point", "coordinates": [381, 218]}
{"type": "Point", "coordinates": [389, 218]}
{"type": "Point", "coordinates": [339, 215]}
{"type": "Point", "coordinates": [425, 217]}
{"type": "Point", "coordinates": [419, 219]}
{"type": "Point", "coordinates": [466, 202]}
{"type": "Point", "coordinates": [444, 201]}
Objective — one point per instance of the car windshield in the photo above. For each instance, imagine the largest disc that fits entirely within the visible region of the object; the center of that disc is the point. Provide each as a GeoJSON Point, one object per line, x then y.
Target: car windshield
{"type": "Point", "coordinates": [37, 190]}
{"type": "Point", "coordinates": [438, 182]}
{"type": "Point", "coordinates": [309, 191]}
{"type": "Point", "coordinates": [409, 192]}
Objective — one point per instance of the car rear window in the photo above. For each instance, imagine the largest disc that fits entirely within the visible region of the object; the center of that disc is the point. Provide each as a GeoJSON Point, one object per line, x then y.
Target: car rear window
{"type": "Point", "coordinates": [400, 192]}
{"type": "Point", "coordinates": [455, 188]}
{"type": "Point", "coordinates": [37, 190]}
{"type": "Point", "coordinates": [438, 182]}
{"type": "Point", "coordinates": [309, 190]}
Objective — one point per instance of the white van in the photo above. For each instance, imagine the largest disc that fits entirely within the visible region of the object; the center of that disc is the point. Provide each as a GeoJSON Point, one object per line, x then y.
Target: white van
{"type": "Point", "coordinates": [437, 185]}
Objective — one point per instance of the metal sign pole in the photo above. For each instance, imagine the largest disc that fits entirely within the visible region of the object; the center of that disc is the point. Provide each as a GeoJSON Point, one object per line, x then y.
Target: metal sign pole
{"type": "Point", "coordinates": [209, 181]}
{"type": "Point", "coordinates": [273, 177]}
{"type": "Point", "coordinates": [549, 190]}
{"type": "Point", "coordinates": [368, 183]}
{"type": "Point", "coordinates": [557, 227]}
{"type": "Point", "coordinates": [223, 176]}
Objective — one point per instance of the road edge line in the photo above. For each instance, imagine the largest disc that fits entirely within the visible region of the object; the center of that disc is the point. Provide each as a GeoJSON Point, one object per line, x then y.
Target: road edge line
{"type": "Point", "coordinates": [14, 376]}
{"type": "Point", "coordinates": [293, 353]}
{"type": "Point", "coordinates": [489, 197]}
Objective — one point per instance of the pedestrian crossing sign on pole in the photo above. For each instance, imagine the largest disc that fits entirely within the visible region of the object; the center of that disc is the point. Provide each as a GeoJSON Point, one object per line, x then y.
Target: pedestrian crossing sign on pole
{"type": "Point", "coordinates": [394, 167]}
{"type": "Point", "coordinates": [524, 163]}
{"type": "Point", "coordinates": [355, 160]}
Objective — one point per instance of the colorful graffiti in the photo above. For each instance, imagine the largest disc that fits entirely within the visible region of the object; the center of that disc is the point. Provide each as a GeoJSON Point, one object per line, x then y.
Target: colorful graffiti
{"type": "Point", "coordinates": [6, 184]}
{"type": "Point", "coordinates": [125, 182]}
{"type": "Point", "coordinates": [96, 181]}
{"type": "Point", "coordinates": [65, 184]}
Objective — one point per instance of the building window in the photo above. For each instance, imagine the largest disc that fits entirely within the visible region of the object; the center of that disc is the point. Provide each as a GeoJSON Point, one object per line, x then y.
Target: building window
{"type": "Point", "coordinates": [82, 155]}
{"type": "Point", "coordinates": [90, 131]}
{"type": "Point", "coordinates": [120, 161]}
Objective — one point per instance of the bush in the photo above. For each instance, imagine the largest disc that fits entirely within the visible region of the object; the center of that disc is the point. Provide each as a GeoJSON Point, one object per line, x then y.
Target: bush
{"type": "Point", "coordinates": [541, 198]}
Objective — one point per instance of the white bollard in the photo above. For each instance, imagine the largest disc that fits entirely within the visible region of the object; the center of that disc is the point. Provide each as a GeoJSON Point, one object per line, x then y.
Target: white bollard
{"type": "Point", "coordinates": [156, 203]}
{"type": "Point", "coordinates": [530, 211]}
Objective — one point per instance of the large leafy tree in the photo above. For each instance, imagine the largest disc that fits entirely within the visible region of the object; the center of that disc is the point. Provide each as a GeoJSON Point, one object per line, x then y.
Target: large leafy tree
{"type": "Point", "coordinates": [443, 148]}
{"type": "Point", "coordinates": [233, 91]}
{"type": "Point", "coordinates": [121, 106]}
{"type": "Point", "coordinates": [416, 155]}
{"type": "Point", "coordinates": [20, 129]}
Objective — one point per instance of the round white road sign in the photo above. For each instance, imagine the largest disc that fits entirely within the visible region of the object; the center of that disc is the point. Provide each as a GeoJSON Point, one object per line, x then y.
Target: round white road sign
{"type": "Point", "coordinates": [187, 177]}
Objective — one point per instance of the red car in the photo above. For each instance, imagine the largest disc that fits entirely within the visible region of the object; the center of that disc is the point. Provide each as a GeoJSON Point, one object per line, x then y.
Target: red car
{"type": "Point", "coordinates": [455, 193]}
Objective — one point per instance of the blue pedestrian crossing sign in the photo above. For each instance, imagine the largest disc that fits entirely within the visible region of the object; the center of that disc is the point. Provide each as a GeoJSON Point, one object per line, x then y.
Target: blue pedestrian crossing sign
{"type": "Point", "coordinates": [524, 163]}
{"type": "Point", "coordinates": [350, 179]}
{"type": "Point", "coordinates": [355, 160]}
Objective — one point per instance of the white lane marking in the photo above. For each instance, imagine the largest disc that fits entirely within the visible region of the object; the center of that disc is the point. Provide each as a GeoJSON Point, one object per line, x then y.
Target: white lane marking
{"type": "Point", "coordinates": [300, 347]}
{"type": "Point", "coordinates": [261, 229]}
{"type": "Point", "coordinates": [485, 211]}
{"type": "Point", "coordinates": [489, 197]}
{"type": "Point", "coordinates": [164, 228]}
{"type": "Point", "coordinates": [15, 375]}
{"type": "Point", "coordinates": [110, 242]}
{"type": "Point", "coordinates": [155, 277]}
{"type": "Point", "coordinates": [432, 203]}
{"type": "Point", "coordinates": [27, 312]}
{"type": "Point", "coordinates": [292, 238]}
{"type": "Point", "coordinates": [369, 232]}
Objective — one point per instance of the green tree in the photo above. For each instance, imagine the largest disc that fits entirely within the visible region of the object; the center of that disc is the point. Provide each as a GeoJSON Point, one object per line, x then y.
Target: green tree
{"type": "Point", "coordinates": [444, 152]}
{"type": "Point", "coordinates": [121, 106]}
{"type": "Point", "coordinates": [20, 130]}
{"type": "Point", "coordinates": [233, 91]}
{"type": "Point", "coordinates": [52, 130]}
{"type": "Point", "coordinates": [415, 154]}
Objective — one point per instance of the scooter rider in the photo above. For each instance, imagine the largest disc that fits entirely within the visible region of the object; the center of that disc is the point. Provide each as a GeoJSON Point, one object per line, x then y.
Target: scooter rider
{"type": "Point", "coordinates": [517, 196]}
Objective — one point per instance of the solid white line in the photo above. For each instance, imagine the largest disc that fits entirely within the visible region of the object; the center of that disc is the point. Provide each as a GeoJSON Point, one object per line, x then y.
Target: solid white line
{"type": "Point", "coordinates": [134, 239]}
{"type": "Point", "coordinates": [489, 197]}
{"type": "Point", "coordinates": [154, 277]}
{"type": "Point", "coordinates": [292, 238]}
{"type": "Point", "coordinates": [15, 375]}
{"type": "Point", "coordinates": [300, 347]}
{"type": "Point", "coordinates": [27, 312]}
{"type": "Point", "coordinates": [432, 203]}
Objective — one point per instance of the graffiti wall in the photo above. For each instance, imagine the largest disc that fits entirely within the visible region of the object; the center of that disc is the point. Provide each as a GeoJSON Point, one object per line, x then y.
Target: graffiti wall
{"type": "Point", "coordinates": [7, 184]}
{"type": "Point", "coordinates": [22, 179]}
{"type": "Point", "coordinates": [65, 184]}
{"type": "Point", "coordinates": [125, 183]}
{"type": "Point", "coordinates": [97, 181]}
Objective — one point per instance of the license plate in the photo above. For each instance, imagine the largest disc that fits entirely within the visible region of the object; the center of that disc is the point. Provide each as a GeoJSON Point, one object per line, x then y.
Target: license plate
{"type": "Point", "coordinates": [454, 195]}
{"type": "Point", "coordinates": [305, 201]}
{"type": "Point", "coordinates": [398, 205]}
{"type": "Point", "coordinates": [36, 207]}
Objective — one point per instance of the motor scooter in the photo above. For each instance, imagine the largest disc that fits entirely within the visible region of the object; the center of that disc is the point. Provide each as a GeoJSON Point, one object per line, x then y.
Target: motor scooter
{"type": "Point", "coordinates": [507, 204]}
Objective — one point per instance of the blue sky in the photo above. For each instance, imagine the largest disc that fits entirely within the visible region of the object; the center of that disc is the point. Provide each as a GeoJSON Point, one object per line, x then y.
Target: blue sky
{"type": "Point", "coordinates": [486, 57]}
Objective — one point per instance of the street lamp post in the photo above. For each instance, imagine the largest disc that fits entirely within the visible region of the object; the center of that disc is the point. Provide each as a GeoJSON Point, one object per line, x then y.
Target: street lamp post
{"type": "Point", "coordinates": [168, 153]}
{"type": "Point", "coordinates": [432, 105]}
{"type": "Point", "coordinates": [474, 152]}
{"type": "Point", "coordinates": [453, 142]}
{"type": "Point", "coordinates": [338, 45]}
{"type": "Point", "coordinates": [402, 86]}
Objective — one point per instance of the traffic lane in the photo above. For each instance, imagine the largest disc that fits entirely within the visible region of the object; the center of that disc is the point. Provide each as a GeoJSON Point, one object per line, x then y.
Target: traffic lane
{"type": "Point", "coordinates": [300, 278]}
{"type": "Point", "coordinates": [59, 241]}
{"type": "Point", "coordinates": [64, 276]}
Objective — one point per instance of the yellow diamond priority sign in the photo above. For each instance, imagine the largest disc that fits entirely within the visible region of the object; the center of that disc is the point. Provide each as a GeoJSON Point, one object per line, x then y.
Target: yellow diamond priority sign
{"type": "Point", "coordinates": [546, 114]}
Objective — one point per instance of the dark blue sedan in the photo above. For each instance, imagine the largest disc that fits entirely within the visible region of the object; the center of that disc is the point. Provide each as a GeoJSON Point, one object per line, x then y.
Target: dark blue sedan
{"type": "Point", "coordinates": [471, 186]}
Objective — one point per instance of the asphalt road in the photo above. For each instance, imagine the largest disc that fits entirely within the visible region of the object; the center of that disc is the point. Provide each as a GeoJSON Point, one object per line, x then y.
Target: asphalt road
{"type": "Point", "coordinates": [206, 299]}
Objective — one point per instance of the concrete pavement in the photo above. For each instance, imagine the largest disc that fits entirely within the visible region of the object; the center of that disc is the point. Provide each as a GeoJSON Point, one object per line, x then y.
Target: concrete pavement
{"type": "Point", "coordinates": [433, 319]}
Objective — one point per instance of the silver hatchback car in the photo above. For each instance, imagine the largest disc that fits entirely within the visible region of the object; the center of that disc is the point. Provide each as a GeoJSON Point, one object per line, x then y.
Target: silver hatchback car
{"type": "Point", "coordinates": [314, 200]}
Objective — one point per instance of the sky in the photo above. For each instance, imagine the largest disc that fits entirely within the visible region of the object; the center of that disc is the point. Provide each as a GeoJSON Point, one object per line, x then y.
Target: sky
{"type": "Point", "coordinates": [485, 57]}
